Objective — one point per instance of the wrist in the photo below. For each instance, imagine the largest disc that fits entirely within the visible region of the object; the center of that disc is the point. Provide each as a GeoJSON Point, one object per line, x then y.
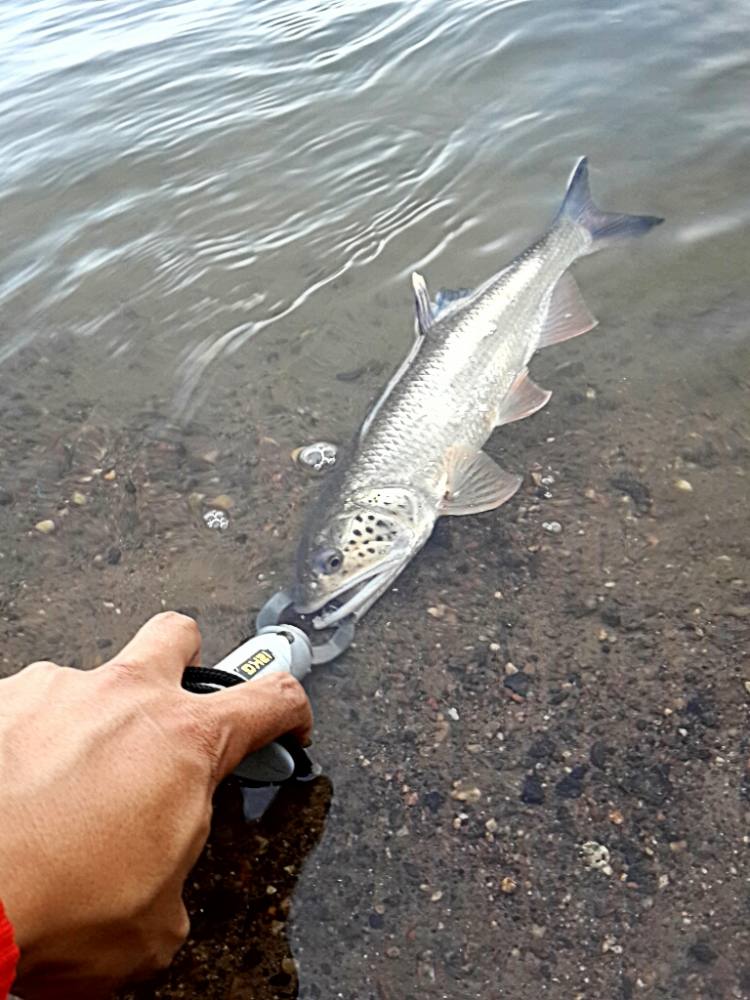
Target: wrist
{"type": "Point", "coordinates": [8, 953]}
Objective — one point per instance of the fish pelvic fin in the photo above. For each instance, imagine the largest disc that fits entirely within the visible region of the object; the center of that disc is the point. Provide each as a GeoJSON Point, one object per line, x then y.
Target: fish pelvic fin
{"type": "Point", "coordinates": [605, 228]}
{"type": "Point", "coordinates": [476, 483]}
{"type": "Point", "coordinates": [524, 398]}
{"type": "Point", "coordinates": [568, 315]}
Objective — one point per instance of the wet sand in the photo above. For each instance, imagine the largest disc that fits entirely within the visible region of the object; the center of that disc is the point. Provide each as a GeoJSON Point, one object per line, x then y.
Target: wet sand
{"type": "Point", "coordinates": [535, 756]}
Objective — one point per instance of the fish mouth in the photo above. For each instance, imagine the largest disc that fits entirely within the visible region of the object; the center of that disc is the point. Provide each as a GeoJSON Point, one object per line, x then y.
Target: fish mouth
{"type": "Point", "coordinates": [354, 598]}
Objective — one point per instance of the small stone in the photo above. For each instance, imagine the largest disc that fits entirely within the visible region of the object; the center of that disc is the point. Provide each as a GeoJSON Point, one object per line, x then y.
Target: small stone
{"type": "Point", "coordinates": [518, 683]}
{"type": "Point", "coordinates": [491, 826]}
{"type": "Point", "coordinates": [553, 527]}
{"type": "Point", "coordinates": [393, 952]}
{"type": "Point", "coordinates": [532, 792]}
{"type": "Point", "coordinates": [436, 896]}
{"type": "Point", "coordinates": [222, 501]}
{"type": "Point", "coordinates": [616, 817]}
{"type": "Point", "coordinates": [114, 555]}
{"type": "Point", "coordinates": [590, 393]}
{"type": "Point", "coordinates": [110, 475]}
{"type": "Point", "coordinates": [289, 966]}
{"type": "Point", "coordinates": [508, 885]}
{"type": "Point", "coordinates": [195, 501]}
{"type": "Point", "coordinates": [433, 800]}
{"type": "Point", "coordinates": [571, 786]}
{"type": "Point", "coordinates": [683, 485]}
{"type": "Point", "coordinates": [746, 685]}
{"type": "Point", "coordinates": [466, 793]}
{"type": "Point", "coordinates": [596, 856]}
{"type": "Point", "coordinates": [702, 952]}
{"type": "Point", "coordinates": [216, 519]}
{"type": "Point", "coordinates": [318, 456]}
{"type": "Point", "coordinates": [598, 754]}
{"type": "Point", "coordinates": [45, 527]}
{"type": "Point", "coordinates": [678, 846]}
{"type": "Point", "coordinates": [452, 713]}
{"type": "Point", "coordinates": [79, 499]}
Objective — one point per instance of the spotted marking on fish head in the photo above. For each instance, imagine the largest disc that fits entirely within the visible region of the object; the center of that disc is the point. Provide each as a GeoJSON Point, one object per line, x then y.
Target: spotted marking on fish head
{"type": "Point", "coordinates": [373, 531]}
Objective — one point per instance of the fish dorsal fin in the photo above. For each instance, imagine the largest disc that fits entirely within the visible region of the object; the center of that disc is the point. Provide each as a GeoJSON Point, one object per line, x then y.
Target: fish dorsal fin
{"type": "Point", "coordinates": [475, 483]}
{"type": "Point", "coordinates": [524, 398]}
{"type": "Point", "coordinates": [422, 303]}
{"type": "Point", "coordinates": [568, 315]}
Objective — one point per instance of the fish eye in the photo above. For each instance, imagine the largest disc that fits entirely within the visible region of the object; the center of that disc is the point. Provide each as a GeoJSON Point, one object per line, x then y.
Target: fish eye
{"type": "Point", "coordinates": [327, 561]}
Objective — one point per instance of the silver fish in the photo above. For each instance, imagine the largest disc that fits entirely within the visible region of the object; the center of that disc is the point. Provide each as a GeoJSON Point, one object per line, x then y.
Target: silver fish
{"type": "Point", "coordinates": [418, 454]}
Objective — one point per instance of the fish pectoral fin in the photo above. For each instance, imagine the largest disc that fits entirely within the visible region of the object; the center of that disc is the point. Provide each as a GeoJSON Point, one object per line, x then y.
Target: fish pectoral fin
{"type": "Point", "coordinates": [476, 483]}
{"type": "Point", "coordinates": [524, 398]}
{"type": "Point", "coordinates": [568, 315]}
{"type": "Point", "coordinates": [422, 303]}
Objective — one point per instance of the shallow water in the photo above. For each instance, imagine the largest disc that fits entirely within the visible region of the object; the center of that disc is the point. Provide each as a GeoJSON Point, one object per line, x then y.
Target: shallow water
{"type": "Point", "coordinates": [210, 211]}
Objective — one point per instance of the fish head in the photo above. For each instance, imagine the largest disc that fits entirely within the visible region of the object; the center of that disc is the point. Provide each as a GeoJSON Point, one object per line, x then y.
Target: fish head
{"type": "Point", "coordinates": [353, 549]}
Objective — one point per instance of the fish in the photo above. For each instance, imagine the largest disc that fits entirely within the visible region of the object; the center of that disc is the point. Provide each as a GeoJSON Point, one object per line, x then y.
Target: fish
{"type": "Point", "coordinates": [419, 454]}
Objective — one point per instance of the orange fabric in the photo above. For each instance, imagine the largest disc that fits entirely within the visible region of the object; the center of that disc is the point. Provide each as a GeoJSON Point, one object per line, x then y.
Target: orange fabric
{"type": "Point", "coordinates": [8, 954]}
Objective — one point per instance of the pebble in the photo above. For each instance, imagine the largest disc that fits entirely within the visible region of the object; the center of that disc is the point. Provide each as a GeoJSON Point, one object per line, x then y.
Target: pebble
{"type": "Point", "coordinates": [466, 793]}
{"type": "Point", "coordinates": [222, 501]}
{"type": "Point", "coordinates": [508, 885]}
{"type": "Point", "coordinates": [79, 499]}
{"type": "Point", "coordinates": [532, 792]}
{"type": "Point", "coordinates": [571, 786]}
{"type": "Point", "coordinates": [598, 754]}
{"type": "Point", "coordinates": [702, 952]}
{"type": "Point", "coordinates": [684, 485]}
{"type": "Point", "coordinates": [317, 457]}
{"type": "Point", "coordinates": [452, 713]}
{"type": "Point", "coordinates": [216, 519]}
{"type": "Point", "coordinates": [553, 527]}
{"type": "Point", "coordinates": [596, 856]}
{"type": "Point", "coordinates": [433, 800]}
{"type": "Point", "coordinates": [110, 475]}
{"type": "Point", "coordinates": [518, 683]}
{"type": "Point", "coordinates": [45, 527]}
{"type": "Point", "coordinates": [491, 825]}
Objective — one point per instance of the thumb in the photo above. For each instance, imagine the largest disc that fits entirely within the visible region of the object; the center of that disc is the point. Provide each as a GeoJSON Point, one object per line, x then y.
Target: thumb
{"type": "Point", "coordinates": [249, 716]}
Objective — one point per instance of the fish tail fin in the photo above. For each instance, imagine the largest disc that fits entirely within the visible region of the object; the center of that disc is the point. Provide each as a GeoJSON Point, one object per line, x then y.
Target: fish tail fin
{"type": "Point", "coordinates": [605, 228]}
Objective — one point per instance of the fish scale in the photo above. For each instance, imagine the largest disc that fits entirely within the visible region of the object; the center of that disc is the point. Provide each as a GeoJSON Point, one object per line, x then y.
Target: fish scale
{"type": "Point", "coordinates": [419, 452]}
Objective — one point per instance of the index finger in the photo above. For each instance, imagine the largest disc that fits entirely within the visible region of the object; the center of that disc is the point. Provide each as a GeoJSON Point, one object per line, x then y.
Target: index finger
{"type": "Point", "coordinates": [165, 645]}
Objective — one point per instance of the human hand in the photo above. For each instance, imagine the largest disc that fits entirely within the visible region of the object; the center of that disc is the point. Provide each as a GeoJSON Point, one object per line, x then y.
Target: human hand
{"type": "Point", "coordinates": [105, 802]}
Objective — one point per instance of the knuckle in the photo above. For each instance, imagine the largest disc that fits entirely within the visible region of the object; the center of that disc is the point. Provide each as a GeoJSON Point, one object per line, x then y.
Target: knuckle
{"type": "Point", "coordinates": [174, 620]}
{"type": "Point", "coordinates": [43, 667]}
{"type": "Point", "coordinates": [293, 694]}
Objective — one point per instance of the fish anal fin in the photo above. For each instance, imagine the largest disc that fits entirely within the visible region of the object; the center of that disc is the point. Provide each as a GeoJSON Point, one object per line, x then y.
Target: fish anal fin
{"type": "Point", "coordinates": [476, 483]}
{"type": "Point", "coordinates": [568, 315]}
{"type": "Point", "coordinates": [422, 303]}
{"type": "Point", "coordinates": [524, 398]}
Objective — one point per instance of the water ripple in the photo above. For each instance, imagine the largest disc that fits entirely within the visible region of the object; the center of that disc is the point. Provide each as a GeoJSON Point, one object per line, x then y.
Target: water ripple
{"type": "Point", "coordinates": [219, 168]}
